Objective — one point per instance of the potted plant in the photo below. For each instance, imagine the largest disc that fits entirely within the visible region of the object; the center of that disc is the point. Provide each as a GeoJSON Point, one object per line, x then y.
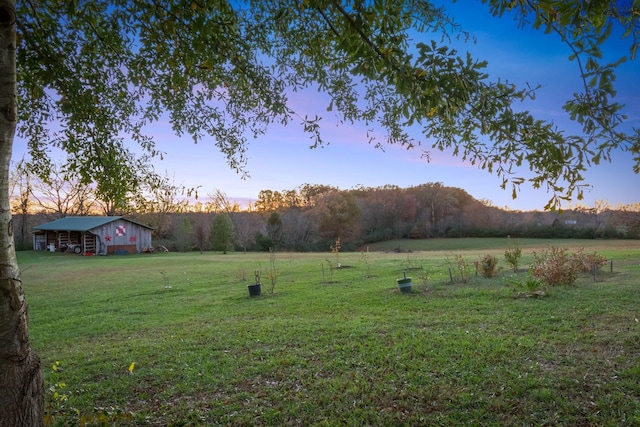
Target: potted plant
{"type": "Point", "coordinates": [255, 288]}
{"type": "Point", "coordinates": [404, 284]}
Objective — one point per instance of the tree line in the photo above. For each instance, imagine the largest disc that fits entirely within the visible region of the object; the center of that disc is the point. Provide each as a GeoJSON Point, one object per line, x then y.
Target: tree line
{"type": "Point", "coordinates": [312, 217]}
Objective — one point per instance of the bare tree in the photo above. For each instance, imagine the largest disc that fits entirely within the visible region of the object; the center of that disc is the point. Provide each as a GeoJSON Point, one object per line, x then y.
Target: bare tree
{"type": "Point", "coordinates": [21, 203]}
{"type": "Point", "coordinates": [62, 193]}
{"type": "Point", "coordinates": [298, 229]}
{"type": "Point", "coordinates": [627, 218]}
{"type": "Point", "coordinates": [246, 226]}
{"type": "Point", "coordinates": [163, 197]}
{"type": "Point", "coordinates": [220, 202]}
{"type": "Point", "coordinates": [202, 230]}
{"type": "Point", "coordinates": [599, 208]}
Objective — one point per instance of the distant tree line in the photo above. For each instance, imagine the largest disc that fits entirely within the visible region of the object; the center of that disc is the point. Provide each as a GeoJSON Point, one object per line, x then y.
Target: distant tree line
{"type": "Point", "coordinates": [312, 217]}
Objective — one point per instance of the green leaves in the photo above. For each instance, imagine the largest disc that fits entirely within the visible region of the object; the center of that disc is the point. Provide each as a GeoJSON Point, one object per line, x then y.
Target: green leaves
{"type": "Point", "coordinates": [584, 27]}
{"type": "Point", "coordinates": [101, 72]}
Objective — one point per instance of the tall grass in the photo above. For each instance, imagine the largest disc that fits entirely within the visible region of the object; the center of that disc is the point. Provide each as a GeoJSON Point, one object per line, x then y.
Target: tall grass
{"type": "Point", "coordinates": [350, 351]}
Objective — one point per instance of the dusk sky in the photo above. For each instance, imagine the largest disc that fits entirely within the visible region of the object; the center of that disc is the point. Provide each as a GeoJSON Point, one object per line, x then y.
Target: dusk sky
{"type": "Point", "coordinates": [282, 159]}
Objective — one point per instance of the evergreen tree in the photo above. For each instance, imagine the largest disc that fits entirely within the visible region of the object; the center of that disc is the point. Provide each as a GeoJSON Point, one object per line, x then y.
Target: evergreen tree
{"type": "Point", "coordinates": [222, 233]}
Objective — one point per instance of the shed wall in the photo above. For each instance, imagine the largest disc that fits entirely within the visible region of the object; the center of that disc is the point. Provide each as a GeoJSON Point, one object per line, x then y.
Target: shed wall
{"type": "Point", "coordinates": [122, 233]}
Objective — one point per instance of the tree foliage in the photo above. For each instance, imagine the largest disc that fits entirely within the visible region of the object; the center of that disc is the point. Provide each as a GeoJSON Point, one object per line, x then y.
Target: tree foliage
{"type": "Point", "coordinates": [222, 233]}
{"type": "Point", "coordinates": [93, 74]}
{"type": "Point", "coordinates": [338, 214]}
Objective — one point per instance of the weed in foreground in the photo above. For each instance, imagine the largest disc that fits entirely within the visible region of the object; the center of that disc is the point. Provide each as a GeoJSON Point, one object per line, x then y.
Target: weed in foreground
{"type": "Point", "coordinates": [59, 409]}
{"type": "Point", "coordinates": [528, 286]}
{"type": "Point", "coordinates": [366, 259]}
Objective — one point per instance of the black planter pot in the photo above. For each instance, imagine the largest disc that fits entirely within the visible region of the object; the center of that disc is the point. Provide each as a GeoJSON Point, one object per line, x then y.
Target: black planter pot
{"type": "Point", "coordinates": [254, 290]}
{"type": "Point", "coordinates": [404, 284]}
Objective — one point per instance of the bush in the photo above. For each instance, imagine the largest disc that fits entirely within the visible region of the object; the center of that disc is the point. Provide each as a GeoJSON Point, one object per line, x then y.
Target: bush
{"type": "Point", "coordinates": [590, 261]}
{"type": "Point", "coordinates": [461, 267]}
{"type": "Point", "coordinates": [555, 266]}
{"type": "Point", "coordinates": [512, 256]}
{"type": "Point", "coordinates": [488, 266]}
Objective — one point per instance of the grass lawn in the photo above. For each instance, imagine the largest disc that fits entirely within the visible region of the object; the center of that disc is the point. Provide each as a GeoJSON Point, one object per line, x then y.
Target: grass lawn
{"type": "Point", "coordinates": [334, 346]}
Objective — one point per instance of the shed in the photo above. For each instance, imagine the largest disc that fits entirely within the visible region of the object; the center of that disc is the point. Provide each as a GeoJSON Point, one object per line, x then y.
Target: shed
{"type": "Point", "coordinates": [92, 234]}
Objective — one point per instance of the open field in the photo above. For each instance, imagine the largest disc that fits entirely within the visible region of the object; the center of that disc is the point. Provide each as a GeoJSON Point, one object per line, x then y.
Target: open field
{"type": "Point", "coordinates": [467, 245]}
{"type": "Point", "coordinates": [335, 346]}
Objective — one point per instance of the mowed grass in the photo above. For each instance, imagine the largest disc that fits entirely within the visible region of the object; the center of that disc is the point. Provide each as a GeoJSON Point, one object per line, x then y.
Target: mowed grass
{"type": "Point", "coordinates": [335, 347]}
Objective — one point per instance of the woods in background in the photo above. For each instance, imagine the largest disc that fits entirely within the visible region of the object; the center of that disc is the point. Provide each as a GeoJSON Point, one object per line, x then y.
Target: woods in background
{"type": "Point", "coordinates": [311, 217]}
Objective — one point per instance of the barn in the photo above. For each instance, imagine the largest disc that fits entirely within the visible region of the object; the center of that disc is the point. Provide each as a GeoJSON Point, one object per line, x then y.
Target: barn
{"type": "Point", "coordinates": [92, 234]}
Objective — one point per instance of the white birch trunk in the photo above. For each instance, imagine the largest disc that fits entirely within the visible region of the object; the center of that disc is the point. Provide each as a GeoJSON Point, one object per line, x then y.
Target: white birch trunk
{"type": "Point", "coordinates": [21, 384]}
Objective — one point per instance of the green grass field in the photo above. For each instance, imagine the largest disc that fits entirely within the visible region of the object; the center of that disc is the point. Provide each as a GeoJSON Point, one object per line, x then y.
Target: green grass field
{"type": "Point", "coordinates": [334, 346]}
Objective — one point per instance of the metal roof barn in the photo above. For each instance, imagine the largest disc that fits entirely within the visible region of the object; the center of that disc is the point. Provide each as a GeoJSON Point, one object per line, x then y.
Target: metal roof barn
{"type": "Point", "coordinates": [93, 235]}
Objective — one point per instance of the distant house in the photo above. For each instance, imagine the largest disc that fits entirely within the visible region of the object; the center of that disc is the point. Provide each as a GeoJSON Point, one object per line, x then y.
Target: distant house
{"type": "Point", "coordinates": [92, 234]}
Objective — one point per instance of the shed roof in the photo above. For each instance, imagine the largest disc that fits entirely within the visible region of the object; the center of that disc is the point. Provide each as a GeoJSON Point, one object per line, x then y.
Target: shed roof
{"type": "Point", "coordinates": [81, 223]}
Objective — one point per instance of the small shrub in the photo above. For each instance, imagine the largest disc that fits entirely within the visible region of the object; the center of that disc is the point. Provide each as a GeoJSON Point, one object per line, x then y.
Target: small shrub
{"type": "Point", "coordinates": [555, 266]}
{"type": "Point", "coordinates": [411, 263]}
{"type": "Point", "coordinates": [590, 261]}
{"type": "Point", "coordinates": [488, 266]}
{"type": "Point", "coordinates": [242, 274]}
{"type": "Point", "coordinates": [367, 262]}
{"type": "Point", "coordinates": [330, 271]}
{"type": "Point", "coordinates": [335, 249]}
{"type": "Point", "coordinates": [512, 256]}
{"type": "Point", "coordinates": [461, 267]}
{"type": "Point", "coordinates": [423, 277]}
{"type": "Point", "coordinates": [272, 272]}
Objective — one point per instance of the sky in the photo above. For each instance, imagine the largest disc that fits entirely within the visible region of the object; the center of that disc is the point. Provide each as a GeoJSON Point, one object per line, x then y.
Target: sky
{"type": "Point", "coordinates": [282, 160]}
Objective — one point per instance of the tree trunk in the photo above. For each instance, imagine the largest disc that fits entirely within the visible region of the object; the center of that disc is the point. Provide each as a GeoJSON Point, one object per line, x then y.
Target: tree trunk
{"type": "Point", "coordinates": [21, 384]}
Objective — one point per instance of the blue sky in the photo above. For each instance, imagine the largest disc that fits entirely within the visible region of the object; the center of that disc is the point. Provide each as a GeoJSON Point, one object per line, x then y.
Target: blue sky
{"type": "Point", "coordinates": [282, 160]}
